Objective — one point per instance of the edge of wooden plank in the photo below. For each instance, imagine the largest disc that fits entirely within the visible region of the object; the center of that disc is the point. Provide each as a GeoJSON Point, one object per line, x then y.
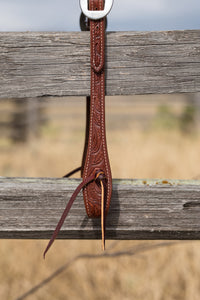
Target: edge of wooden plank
{"type": "Point", "coordinates": [140, 209]}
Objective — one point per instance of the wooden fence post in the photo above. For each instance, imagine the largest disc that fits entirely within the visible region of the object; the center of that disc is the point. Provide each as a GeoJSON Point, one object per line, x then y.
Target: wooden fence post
{"type": "Point", "coordinates": [27, 119]}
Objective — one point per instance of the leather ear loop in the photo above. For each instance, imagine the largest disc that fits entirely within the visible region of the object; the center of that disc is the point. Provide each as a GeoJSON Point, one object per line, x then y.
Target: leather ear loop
{"type": "Point", "coordinates": [95, 176]}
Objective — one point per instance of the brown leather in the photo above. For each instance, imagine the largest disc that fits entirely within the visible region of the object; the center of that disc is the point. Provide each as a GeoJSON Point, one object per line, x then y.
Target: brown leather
{"type": "Point", "coordinates": [72, 172]}
{"type": "Point", "coordinates": [67, 209]}
{"type": "Point", "coordinates": [96, 158]}
{"type": "Point", "coordinates": [86, 133]}
{"type": "Point", "coordinates": [95, 170]}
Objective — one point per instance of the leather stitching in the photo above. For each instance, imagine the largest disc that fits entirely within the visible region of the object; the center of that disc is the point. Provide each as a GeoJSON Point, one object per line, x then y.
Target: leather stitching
{"type": "Point", "coordinates": [97, 78]}
{"type": "Point", "coordinates": [96, 67]}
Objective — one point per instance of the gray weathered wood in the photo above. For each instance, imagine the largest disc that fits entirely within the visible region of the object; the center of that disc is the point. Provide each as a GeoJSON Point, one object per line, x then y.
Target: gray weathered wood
{"type": "Point", "coordinates": [57, 64]}
{"type": "Point", "coordinates": [149, 209]}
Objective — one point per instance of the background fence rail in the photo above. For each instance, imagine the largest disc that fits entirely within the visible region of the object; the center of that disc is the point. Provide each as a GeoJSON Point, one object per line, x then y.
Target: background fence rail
{"type": "Point", "coordinates": [29, 118]}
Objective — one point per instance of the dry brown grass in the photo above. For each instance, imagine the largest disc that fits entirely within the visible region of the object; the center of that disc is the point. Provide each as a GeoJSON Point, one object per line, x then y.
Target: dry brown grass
{"type": "Point", "coordinates": [162, 273]}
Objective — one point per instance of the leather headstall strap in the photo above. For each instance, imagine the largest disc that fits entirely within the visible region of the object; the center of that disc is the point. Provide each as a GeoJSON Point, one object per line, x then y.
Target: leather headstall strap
{"type": "Point", "coordinates": [97, 156]}
{"type": "Point", "coordinates": [95, 170]}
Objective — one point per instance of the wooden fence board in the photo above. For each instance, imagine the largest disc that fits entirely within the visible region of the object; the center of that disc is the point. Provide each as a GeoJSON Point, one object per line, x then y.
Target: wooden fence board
{"type": "Point", "coordinates": [140, 209]}
{"type": "Point", "coordinates": [36, 64]}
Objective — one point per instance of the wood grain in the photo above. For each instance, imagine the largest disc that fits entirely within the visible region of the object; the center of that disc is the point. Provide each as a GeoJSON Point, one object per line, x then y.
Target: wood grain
{"type": "Point", "coordinates": [140, 209]}
{"type": "Point", "coordinates": [36, 64]}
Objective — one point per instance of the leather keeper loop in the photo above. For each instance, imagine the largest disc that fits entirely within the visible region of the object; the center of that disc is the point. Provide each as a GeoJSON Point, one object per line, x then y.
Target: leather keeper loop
{"type": "Point", "coordinates": [97, 39]}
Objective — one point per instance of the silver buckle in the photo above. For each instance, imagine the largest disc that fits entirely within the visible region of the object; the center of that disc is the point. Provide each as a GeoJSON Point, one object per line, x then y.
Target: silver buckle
{"type": "Point", "coordinates": [96, 14]}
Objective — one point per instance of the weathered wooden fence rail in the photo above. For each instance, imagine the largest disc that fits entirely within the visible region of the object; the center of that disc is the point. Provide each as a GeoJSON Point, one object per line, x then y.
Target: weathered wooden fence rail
{"type": "Point", "coordinates": [150, 209]}
{"type": "Point", "coordinates": [57, 64]}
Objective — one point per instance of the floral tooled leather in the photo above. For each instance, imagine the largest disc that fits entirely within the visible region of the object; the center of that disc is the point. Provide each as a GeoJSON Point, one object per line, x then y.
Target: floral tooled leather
{"type": "Point", "coordinates": [96, 158]}
{"type": "Point", "coordinates": [95, 170]}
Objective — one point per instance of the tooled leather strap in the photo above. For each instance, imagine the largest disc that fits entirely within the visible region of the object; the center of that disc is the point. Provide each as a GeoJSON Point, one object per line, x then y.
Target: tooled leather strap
{"type": "Point", "coordinates": [96, 158]}
{"type": "Point", "coordinates": [95, 170]}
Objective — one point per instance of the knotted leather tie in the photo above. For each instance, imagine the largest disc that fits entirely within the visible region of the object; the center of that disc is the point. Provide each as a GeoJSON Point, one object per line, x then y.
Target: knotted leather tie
{"type": "Point", "coordinates": [95, 170]}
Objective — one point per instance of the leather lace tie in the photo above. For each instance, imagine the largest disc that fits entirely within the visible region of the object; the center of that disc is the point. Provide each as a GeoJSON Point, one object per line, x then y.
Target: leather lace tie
{"type": "Point", "coordinates": [93, 177]}
{"type": "Point", "coordinates": [95, 169]}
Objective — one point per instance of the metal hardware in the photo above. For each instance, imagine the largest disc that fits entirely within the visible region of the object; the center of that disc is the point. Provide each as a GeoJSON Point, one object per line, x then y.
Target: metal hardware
{"type": "Point", "coordinates": [96, 14]}
{"type": "Point", "coordinates": [85, 23]}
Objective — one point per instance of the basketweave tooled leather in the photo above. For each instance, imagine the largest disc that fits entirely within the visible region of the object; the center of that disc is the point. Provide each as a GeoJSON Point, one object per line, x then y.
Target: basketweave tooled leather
{"type": "Point", "coordinates": [96, 158]}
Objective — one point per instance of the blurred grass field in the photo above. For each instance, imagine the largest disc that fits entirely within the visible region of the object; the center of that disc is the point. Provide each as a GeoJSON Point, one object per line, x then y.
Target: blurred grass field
{"type": "Point", "coordinates": [158, 149]}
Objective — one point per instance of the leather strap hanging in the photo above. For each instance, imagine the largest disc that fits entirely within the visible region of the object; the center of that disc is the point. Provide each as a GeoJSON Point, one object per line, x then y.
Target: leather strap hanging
{"type": "Point", "coordinates": [95, 170]}
{"type": "Point", "coordinates": [97, 155]}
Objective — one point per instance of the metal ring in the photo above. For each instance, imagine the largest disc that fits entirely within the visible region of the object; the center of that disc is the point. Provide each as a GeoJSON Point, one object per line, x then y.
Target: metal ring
{"type": "Point", "coordinates": [96, 14]}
